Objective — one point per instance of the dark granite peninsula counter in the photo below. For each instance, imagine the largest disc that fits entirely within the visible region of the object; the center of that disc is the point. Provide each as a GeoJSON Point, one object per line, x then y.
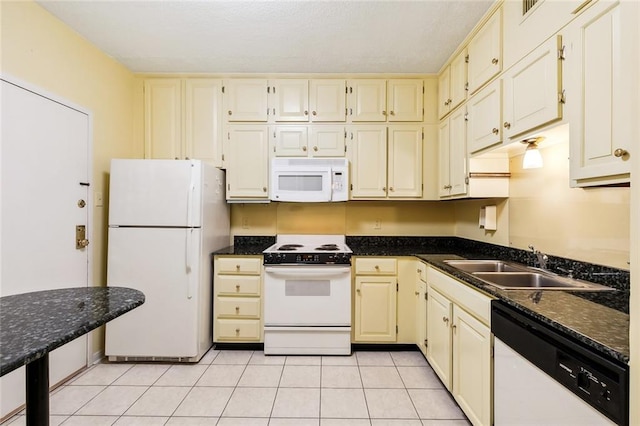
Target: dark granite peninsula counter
{"type": "Point", "coordinates": [247, 246]}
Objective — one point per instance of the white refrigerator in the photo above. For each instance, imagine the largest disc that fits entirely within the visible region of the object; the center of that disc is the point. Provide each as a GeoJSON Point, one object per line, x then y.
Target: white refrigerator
{"type": "Point", "coordinates": [166, 217]}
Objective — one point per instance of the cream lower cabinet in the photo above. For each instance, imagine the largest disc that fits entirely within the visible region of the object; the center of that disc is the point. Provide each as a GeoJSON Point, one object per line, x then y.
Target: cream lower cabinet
{"type": "Point", "coordinates": [247, 159]}
{"type": "Point", "coordinates": [460, 343]}
{"type": "Point", "coordinates": [602, 94]}
{"type": "Point", "coordinates": [183, 119]}
{"type": "Point", "coordinates": [237, 308]}
{"type": "Point", "coordinates": [375, 300]}
{"type": "Point", "coordinates": [420, 294]}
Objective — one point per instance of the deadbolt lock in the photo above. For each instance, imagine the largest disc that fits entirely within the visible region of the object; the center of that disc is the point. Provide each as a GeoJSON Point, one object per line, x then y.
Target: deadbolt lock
{"type": "Point", "coordinates": [81, 203]}
{"type": "Point", "coordinates": [81, 237]}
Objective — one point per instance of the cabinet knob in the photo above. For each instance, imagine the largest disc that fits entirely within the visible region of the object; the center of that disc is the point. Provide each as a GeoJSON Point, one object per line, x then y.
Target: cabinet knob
{"type": "Point", "coordinates": [416, 293]}
{"type": "Point", "coordinates": [314, 113]}
{"type": "Point", "coordinates": [445, 320]}
{"type": "Point", "coordinates": [237, 309]}
{"type": "Point", "coordinates": [264, 189]}
{"type": "Point", "coordinates": [507, 125]}
{"type": "Point", "coordinates": [306, 112]}
{"type": "Point", "coordinates": [454, 327]}
{"type": "Point", "coordinates": [229, 112]}
{"type": "Point", "coordinates": [419, 271]}
{"type": "Point", "coordinates": [494, 61]}
{"type": "Point", "coordinates": [237, 331]}
{"type": "Point", "coordinates": [384, 112]}
{"type": "Point", "coordinates": [384, 188]}
{"type": "Point", "coordinates": [237, 288]}
{"type": "Point", "coordinates": [620, 153]}
{"type": "Point", "coordinates": [495, 131]}
{"type": "Point", "coordinates": [358, 290]}
{"type": "Point", "coordinates": [315, 148]}
{"type": "Point", "coordinates": [237, 267]}
{"type": "Point", "coordinates": [392, 113]}
{"type": "Point", "coordinates": [391, 188]}
{"type": "Point", "coordinates": [377, 268]}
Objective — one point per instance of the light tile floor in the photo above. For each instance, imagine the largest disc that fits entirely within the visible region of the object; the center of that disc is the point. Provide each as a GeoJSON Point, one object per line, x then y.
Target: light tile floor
{"type": "Point", "coordinates": [248, 388]}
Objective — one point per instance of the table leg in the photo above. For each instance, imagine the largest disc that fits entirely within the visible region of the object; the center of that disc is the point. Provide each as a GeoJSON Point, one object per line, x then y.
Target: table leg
{"type": "Point", "coordinates": [38, 392]}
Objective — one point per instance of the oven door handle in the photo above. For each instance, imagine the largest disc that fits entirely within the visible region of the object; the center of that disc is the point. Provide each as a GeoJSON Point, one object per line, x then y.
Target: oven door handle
{"type": "Point", "coordinates": [294, 271]}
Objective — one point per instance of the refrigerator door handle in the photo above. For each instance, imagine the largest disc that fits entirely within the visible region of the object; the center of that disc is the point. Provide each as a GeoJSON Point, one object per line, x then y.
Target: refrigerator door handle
{"type": "Point", "coordinates": [188, 243]}
{"type": "Point", "coordinates": [192, 188]}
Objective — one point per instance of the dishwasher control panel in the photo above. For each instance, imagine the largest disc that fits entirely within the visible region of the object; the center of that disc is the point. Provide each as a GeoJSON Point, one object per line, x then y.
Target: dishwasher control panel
{"type": "Point", "coordinates": [598, 385]}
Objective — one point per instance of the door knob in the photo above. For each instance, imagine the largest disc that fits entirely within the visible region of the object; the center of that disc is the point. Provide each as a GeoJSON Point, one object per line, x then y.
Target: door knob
{"type": "Point", "coordinates": [620, 153]}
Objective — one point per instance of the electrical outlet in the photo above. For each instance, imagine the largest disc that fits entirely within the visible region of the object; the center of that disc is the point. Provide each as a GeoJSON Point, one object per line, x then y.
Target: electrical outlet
{"type": "Point", "coordinates": [377, 224]}
{"type": "Point", "coordinates": [245, 223]}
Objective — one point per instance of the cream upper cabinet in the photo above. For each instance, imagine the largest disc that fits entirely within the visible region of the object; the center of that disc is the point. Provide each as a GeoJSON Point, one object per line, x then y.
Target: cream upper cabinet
{"type": "Point", "coordinates": [368, 153]}
{"type": "Point", "coordinates": [405, 99]}
{"type": "Point", "coordinates": [246, 100]}
{"type": "Point", "coordinates": [163, 118]}
{"type": "Point", "coordinates": [452, 164]}
{"type": "Point", "coordinates": [183, 119]}
{"type": "Point", "coordinates": [532, 90]}
{"type": "Point", "coordinates": [439, 349]}
{"type": "Point", "coordinates": [327, 141]}
{"type": "Point", "coordinates": [367, 100]}
{"type": "Point", "coordinates": [327, 100]}
{"type": "Point", "coordinates": [290, 141]}
{"type": "Point", "coordinates": [452, 85]}
{"type": "Point", "coordinates": [289, 100]}
{"type": "Point", "coordinates": [485, 53]}
{"type": "Point", "coordinates": [405, 162]}
{"type": "Point", "coordinates": [247, 151]}
{"type": "Point", "coordinates": [484, 112]}
{"type": "Point", "coordinates": [375, 300]}
{"type": "Point", "coordinates": [601, 58]}
{"type": "Point", "coordinates": [471, 368]}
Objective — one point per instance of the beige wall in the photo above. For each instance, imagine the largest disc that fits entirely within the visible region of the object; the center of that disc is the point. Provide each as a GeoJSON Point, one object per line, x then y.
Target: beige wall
{"type": "Point", "coordinates": [40, 50]}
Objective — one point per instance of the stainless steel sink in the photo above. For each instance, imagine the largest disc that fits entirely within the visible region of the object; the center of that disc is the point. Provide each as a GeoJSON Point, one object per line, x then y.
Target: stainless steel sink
{"type": "Point", "coordinates": [514, 276]}
{"type": "Point", "coordinates": [537, 281]}
{"type": "Point", "coordinates": [485, 266]}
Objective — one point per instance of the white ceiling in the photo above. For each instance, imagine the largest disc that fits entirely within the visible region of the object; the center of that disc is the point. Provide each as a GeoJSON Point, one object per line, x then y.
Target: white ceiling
{"type": "Point", "coordinates": [278, 36]}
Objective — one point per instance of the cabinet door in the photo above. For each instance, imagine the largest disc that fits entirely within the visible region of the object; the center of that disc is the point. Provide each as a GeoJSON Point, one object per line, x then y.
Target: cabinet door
{"type": "Point", "coordinates": [405, 161]}
{"type": "Point", "coordinates": [444, 92]}
{"type": "Point", "coordinates": [444, 181]}
{"type": "Point", "coordinates": [458, 80]}
{"type": "Point", "coordinates": [484, 113]}
{"type": "Point", "coordinates": [368, 100]}
{"type": "Point", "coordinates": [405, 99]}
{"type": "Point", "coordinates": [532, 88]}
{"type": "Point", "coordinates": [246, 100]}
{"type": "Point", "coordinates": [375, 309]}
{"type": "Point", "coordinates": [421, 308]}
{"type": "Point", "coordinates": [472, 366]}
{"type": "Point", "coordinates": [248, 163]}
{"type": "Point", "coordinates": [290, 141]}
{"type": "Point", "coordinates": [203, 120]}
{"type": "Point", "coordinates": [290, 99]}
{"type": "Point", "coordinates": [327, 100]}
{"type": "Point", "coordinates": [485, 53]}
{"type": "Point", "coordinates": [600, 104]}
{"type": "Point", "coordinates": [327, 141]}
{"type": "Point", "coordinates": [368, 161]}
{"type": "Point", "coordinates": [458, 152]}
{"type": "Point", "coordinates": [439, 315]}
{"type": "Point", "coordinates": [163, 118]}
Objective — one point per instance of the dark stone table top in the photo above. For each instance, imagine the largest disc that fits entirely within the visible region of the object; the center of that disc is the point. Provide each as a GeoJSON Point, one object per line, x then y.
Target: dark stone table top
{"type": "Point", "coordinates": [34, 324]}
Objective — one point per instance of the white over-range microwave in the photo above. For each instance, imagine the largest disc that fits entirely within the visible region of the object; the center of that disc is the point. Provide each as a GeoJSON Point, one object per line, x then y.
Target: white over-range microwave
{"type": "Point", "coordinates": [309, 179]}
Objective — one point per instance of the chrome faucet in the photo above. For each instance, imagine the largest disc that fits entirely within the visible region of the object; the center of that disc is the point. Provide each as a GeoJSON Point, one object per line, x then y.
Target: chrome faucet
{"type": "Point", "coordinates": [540, 256]}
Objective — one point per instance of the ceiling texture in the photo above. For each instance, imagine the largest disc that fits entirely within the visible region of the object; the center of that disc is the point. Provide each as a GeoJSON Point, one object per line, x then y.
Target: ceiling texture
{"type": "Point", "coordinates": [278, 36]}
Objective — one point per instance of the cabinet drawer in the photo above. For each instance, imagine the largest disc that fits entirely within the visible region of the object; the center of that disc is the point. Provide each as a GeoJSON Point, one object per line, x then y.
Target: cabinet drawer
{"type": "Point", "coordinates": [239, 265]}
{"type": "Point", "coordinates": [237, 285]}
{"type": "Point", "coordinates": [229, 329]}
{"type": "Point", "coordinates": [473, 301]}
{"type": "Point", "coordinates": [376, 266]}
{"type": "Point", "coordinates": [238, 307]}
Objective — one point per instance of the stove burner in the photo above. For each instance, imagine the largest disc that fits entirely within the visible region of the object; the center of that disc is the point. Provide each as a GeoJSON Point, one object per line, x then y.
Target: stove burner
{"type": "Point", "coordinates": [328, 247]}
{"type": "Point", "coordinates": [289, 247]}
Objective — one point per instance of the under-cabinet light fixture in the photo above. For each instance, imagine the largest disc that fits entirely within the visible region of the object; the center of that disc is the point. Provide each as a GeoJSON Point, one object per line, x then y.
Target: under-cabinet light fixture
{"type": "Point", "coordinates": [532, 158]}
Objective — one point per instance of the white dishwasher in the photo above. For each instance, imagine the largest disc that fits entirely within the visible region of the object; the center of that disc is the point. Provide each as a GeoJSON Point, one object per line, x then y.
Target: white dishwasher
{"type": "Point", "coordinates": [543, 377]}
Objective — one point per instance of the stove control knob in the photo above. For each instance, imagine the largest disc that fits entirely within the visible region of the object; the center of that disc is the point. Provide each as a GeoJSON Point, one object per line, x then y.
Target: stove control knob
{"type": "Point", "coordinates": [606, 394]}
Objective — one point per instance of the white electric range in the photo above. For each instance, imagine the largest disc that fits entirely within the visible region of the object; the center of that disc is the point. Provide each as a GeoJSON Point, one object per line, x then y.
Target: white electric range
{"type": "Point", "coordinates": [307, 296]}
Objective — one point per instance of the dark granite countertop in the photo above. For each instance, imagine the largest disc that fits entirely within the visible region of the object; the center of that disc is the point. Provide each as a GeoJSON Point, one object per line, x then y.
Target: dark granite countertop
{"type": "Point", "coordinates": [598, 320]}
{"type": "Point", "coordinates": [34, 324]}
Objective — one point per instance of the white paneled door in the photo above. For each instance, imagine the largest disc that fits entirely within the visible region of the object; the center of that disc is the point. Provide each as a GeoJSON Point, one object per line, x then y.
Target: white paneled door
{"type": "Point", "coordinates": [45, 196]}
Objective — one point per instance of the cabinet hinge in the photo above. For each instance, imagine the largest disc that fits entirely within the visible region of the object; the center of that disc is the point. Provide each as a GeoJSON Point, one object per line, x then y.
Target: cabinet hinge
{"type": "Point", "coordinates": [267, 111]}
{"type": "Point", "coordinates": [222, 157]}
{"type": "Point", "coordinates": [396, 329]}
{"type": "Point", "coordinates": [345, 148]}
{"type": "Point", "coordinates": [351, 187]}
{"type": "Point", "coordinates": [466, 180]}
{"type": "Point", "coordinates": [423, 134]}
{"type": "Point", "coordinates": [561, 53]}
{"type": "Point", "coordinates": [492, 352]}
{"type": "Point", "coordinates": [222, 89]}
{"type": "Point", "coordinates": [426, 343]}
{"type": "Point", "coordinates": [426, 297]}
{"type": "Point", "coordinates": [561, 97]}
{"type": "Point", "coordinates": [268, 89]}
{"type": "Point", "coordinates": [466, 86]}
{"type": "Point", "coordinates": [346, 112]}
{"type": "Point", "coordinates": [274, 90]}
{"type": "Point", "coordinates": [422, 186]}
{"type": "Point", "coordinates": [228, 136]}
{"type": "Point", "coordinates": [397, 287]}
{"type": "Point", "coordinates": [423, 91]}
{"type": "Point", "coordinates": [466, 116]}
{"type": "Point", "coordinates": [228, 187]}
{"type": "Point", "coordinates": [351, 89]}
{"type": "Point", "coordinates": [466, 58]}
{"type": "Point", "coordinates": [346, 90]}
